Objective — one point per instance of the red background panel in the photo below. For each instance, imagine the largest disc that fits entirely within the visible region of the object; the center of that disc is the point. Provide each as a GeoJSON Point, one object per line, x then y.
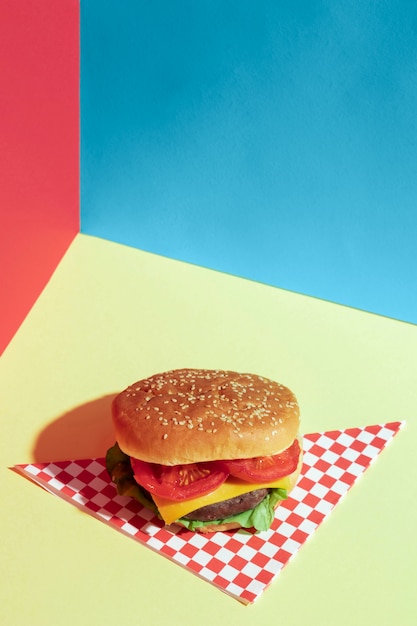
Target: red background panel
{"type": "Point", "coordinates": [39, 148]}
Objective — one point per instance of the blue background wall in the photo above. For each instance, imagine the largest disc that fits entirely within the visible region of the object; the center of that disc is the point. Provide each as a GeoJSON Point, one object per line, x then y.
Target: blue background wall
{"type": "Point", "coordinates": [272, 140]}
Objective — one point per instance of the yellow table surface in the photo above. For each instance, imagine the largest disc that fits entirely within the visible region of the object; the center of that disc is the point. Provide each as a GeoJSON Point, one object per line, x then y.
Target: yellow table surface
{"type": "Point", "coordinates": [111, 315]}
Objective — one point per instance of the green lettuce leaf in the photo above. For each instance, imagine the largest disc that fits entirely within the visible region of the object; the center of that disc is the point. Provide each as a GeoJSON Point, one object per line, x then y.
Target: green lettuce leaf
{"type": "Point", "coordinates": [120, 471]}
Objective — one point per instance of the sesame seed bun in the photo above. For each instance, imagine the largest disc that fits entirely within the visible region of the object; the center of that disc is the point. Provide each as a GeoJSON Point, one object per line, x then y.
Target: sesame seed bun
{"type": "Point", "coordinates": [194, 415]}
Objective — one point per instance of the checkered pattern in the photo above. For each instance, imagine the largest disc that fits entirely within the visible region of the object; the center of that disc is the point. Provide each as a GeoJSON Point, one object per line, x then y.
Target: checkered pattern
{"type": "Point", "coordinates": [241, 563]}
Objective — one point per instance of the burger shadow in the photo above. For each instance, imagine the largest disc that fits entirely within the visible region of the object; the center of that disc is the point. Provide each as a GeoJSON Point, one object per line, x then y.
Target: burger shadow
{"type": "Point", "coordinates": [85, 432]}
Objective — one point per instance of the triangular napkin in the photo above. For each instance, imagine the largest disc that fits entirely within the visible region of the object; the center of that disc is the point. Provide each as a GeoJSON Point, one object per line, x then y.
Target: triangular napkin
{"type": "Point", "coordinates": [241, 563]}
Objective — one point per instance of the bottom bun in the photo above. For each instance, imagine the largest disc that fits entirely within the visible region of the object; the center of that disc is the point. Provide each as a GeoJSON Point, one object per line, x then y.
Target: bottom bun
{"type": "Point", "coordinates": [214, 528]}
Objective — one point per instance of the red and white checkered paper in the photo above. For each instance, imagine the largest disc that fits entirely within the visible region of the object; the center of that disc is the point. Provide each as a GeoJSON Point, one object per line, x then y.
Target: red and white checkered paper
{"type": "Point", "coordinates": [241, 563]}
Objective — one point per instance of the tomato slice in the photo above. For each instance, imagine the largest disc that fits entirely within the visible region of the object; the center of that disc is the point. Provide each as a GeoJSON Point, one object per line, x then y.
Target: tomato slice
{"type": "Point", "coordinates": [179, 482]}
{"type": "Point", "coordinates": [263, 469]}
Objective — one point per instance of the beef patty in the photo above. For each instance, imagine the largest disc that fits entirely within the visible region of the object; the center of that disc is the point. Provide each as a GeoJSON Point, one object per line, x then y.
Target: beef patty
{"type": "Point", "coordinates": [221, 510]}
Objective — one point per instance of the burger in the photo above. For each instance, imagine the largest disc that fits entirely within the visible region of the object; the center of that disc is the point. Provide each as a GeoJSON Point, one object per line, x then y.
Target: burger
{"type": "Point", "coordinates": [211, 450]}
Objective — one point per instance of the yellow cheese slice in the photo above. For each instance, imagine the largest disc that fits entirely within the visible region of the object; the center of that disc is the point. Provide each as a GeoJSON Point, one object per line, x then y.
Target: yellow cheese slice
{"type": "Point", "coordinates": [232, 487]}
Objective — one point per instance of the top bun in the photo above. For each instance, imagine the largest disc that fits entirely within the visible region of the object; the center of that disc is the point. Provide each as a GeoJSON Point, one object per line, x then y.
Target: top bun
{"type": "Point", "coordinates": [194, 415]}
